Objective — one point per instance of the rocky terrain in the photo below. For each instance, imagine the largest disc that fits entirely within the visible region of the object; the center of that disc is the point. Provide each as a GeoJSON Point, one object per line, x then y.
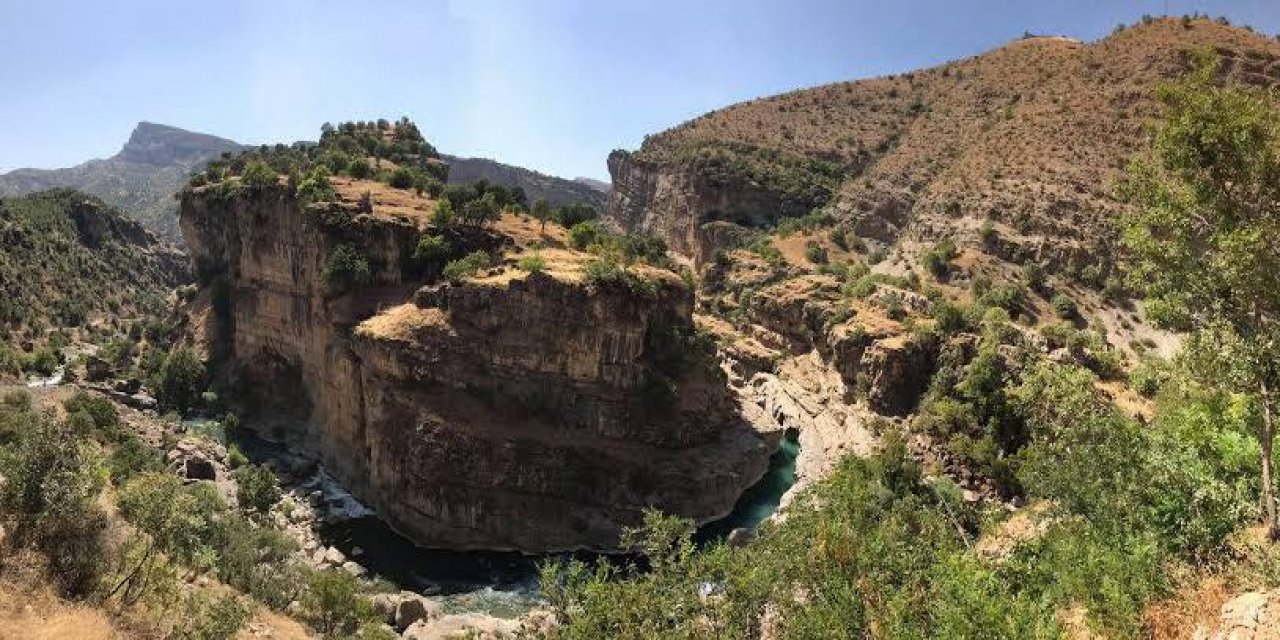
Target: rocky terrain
{"type": "Point", "coordinates": [478, 412]}
{"type": "Point", "coordinates": [141, 179]}
{"type": "Point", "coordinates": [1013, 152]}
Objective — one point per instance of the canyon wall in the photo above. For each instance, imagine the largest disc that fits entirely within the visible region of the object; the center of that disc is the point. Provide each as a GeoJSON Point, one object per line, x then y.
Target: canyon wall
{"type": "Point", "coordinates": [527, 411]}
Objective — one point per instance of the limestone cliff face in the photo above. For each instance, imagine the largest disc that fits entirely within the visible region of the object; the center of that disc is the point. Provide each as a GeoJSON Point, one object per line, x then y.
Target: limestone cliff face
{"type": "Point", "coordinates": [694, 214]}
{"type": "Point", "coordinates": [532, 412]}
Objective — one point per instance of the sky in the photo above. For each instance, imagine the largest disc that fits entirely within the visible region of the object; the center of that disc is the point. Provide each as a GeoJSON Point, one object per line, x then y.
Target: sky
{"type": "Point", "coordinates": [553, 85]}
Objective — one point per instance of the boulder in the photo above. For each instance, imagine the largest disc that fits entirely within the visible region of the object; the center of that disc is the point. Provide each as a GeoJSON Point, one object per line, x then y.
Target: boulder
{"type": "Point", "coordinates": [741, 537]}
{"type": "Point", "coordinates": [96, 369]}
{"type": "Point", "coordinates": [412, 608]}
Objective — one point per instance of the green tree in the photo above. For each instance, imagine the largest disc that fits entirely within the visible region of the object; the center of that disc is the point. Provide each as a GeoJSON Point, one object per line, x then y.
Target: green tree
{"type": "Point", "coordinates": [258, 176]}
{"type": "Point", "coordinates": [258, 488]}
{"type": "Point", "coordinates": [180, 381]}
{"type": "Point", "coordinates": [333, 603]}
{"type": "Point", "coordinates": [51, 483]}
{"type": "Point", "coordinates": [442, 215]}
{"type": "Point", "coordinates": [345, 269]}
{"type": "Point", "coordinates": [542, 213]}
{"type": "Point", "coordinates": [1205, 233]}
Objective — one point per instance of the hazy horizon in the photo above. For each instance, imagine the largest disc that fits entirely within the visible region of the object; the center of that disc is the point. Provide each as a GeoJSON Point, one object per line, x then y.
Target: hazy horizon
{"type": "Point", "coordinates": [552, 87]}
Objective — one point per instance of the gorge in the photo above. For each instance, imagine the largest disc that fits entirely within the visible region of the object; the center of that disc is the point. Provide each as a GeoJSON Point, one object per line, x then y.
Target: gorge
{"type": "Point", "coordinates": [528, 411]}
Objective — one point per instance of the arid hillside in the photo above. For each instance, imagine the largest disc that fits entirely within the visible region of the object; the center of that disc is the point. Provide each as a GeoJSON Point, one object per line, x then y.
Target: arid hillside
{"type": "Point", "coordinates": [1028, 137]}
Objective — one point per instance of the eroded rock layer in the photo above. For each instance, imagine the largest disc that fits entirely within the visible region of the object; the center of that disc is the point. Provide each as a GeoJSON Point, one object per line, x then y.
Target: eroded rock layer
{"type": "Point", "coordinates": [509, 410]}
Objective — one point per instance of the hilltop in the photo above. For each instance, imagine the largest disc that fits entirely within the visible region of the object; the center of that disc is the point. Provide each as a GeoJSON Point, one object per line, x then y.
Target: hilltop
{"type": "Point", "coordinates": [558, 192]}
{"type": "Point", "coordinates": [141, 179]}
{"type": "Point", "coordinates": [1011, 152]}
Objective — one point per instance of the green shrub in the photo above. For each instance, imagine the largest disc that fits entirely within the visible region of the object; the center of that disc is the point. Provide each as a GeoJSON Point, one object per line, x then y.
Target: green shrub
{"type": "Point", "coordinates": [815, 253]}
{"type": "Point", "coordinates": [763, 246]}
{"type": "Point", "coordinates": [101, 411]}
{"type": "Point", "coordinates": [51, 486]}
{"type": "Point", "coordinates": [43, 362]}
{"type": "Point", "coordinates": [212, 618]}
{"type": "Point", "coordinates": [606, 272]}
{"type": "Point", "coordinates": [937, 260]}
{"type": "Point", "coordinates": [402, 178]}
{"type": "Point", "coordinates": [315, 187]}
{"type": "Point", "coordinates": [583, 234]}
{"type": "Point", "coordinates": [360, 169]}
{"type": "Point", "coordinates": [442, 215]}
{"type": "Point", "coordinates": [1064, 306]}
{"type": "Point", "coordinates": [258, 488]}
{"type": "Point", "coordinates": [466, 266]}
{"type": "Point", "coordinates": [987, 232]}
{"type": "Point", "coordinates": [333, 604]}
{"type": "Point", "coordinates": [533, 263]}
{"type": "Point", "coordinates": [180, 381]}
{"type": "Point", "coordinates": [236, 457]}
{"type": "Point", "coordinates": [132, 457]}
{"type": "Point", "coordinates": [345, 269]}
{"type": "Point", "coordinates": [432, 249]}
{"type": "Point", "coordinates": [258, 177]}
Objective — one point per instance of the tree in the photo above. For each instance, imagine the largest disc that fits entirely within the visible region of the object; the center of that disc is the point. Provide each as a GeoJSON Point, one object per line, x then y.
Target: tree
{"type": "Point", "coordinates": [259, 489]}
{"type": "Point", "coordinates": [542, 212]}
{"type": "Point", "coordinates": [345, 269]}
{"type": "Point", "coordinates": [1205, 233]}
{"type": "Point", "coordinates": [180, 381]}
{"type": "Point", "coordinates": [442, 215]}
{"type": "Point", "coordinates": [258, 177]}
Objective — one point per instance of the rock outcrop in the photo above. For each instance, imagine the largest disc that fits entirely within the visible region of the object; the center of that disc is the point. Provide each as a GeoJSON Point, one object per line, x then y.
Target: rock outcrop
{"type": "Point", "coordinates": [506, 411]}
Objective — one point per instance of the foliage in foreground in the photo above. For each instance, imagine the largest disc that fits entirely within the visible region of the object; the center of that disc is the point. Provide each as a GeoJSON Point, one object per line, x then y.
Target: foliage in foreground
{"type": "Point", "coordinates": [877, 549]}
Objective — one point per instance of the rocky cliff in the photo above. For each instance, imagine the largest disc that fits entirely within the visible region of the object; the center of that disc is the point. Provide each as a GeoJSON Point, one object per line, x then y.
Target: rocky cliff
{"type": "Point", "coordinates": [1012, 151]}
{"type": "Point", "coordinates": [507, 410]}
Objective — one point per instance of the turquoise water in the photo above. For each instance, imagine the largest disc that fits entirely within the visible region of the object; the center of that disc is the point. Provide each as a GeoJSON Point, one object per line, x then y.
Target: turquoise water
{"type": "Point", "coordinates": [761, 501]}
{"type": "Point", "coordinates": [505, 584]}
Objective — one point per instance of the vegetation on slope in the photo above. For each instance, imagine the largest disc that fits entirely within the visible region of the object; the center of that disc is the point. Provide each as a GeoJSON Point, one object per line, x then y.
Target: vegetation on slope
{"type": "Point", "coordinates": [72, 264]}
{"type": "Point", "coordinates": [1125, 513]}
{"type": "Point", "coordinates": [161, 567]}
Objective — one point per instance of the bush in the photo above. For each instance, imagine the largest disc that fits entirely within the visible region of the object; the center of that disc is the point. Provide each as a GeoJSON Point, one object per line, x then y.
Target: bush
{"type": "Point", "coordinates": [432, 249]}
{"type": "Point", "coordinates": [315, 187]}
{"type": "Point", "coordinates": [402, 178]}
{"type": "Point", "coordinates": [44, 362]}
{"type": "Point", "coordinates": [987, 232]}
{"type": "Point", "coordinates": [937, 260]}
{"type": "Point", "coordinates": [815, 253]}
{"type": "Point", "coordinates": [52, 482]}
{"type": "Point", "coordinates": [533, 263]}
{"type": "Point", "coordinates": [258, 177]}
{"type": "Point", "coordinates": [442, 215]}
{"type": "Point", "coordinates": [345, 269]}
{"type": "Point", "coordinates": [236, 457]}
{"type": "Point", "coordinates": [1064, 306]}
{"type": "Point", "coordinates": [180, 381]}
{"type": "Point", "coordinates": [333, 604]}
{"type": "Point", "coordinates": [360, 169]}
{"type": "Point", "coordinates": [466, 266]}
{"type": "Point", "coordinates": [583, 235]}
{"type": "Point", "coordinates": [132, 457]}
{"type": "Point", "coordinates": [101, 411]}
{"type": "Point", "coordinates": [605, 271]}
{"type": "Point", "coordinates": [258, 488]}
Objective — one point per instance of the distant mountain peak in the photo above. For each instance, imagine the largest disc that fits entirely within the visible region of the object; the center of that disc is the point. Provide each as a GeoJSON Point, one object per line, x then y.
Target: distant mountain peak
{"type": "Point", "coordinates": [160, 144]}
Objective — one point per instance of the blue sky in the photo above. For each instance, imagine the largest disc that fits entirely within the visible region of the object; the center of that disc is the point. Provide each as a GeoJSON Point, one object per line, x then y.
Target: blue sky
{"type": "Point", "coordinates": [553, 85]}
